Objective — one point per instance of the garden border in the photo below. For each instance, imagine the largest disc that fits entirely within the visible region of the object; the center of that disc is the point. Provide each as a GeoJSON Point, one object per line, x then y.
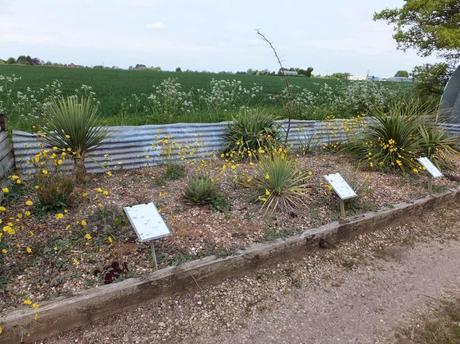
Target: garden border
{"type": "Point", "coordinates": [90, 305]}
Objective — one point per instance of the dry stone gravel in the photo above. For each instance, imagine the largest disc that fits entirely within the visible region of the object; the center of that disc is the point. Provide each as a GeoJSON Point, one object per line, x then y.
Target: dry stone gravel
{"type": "Point", "coordinates": [357, 293]}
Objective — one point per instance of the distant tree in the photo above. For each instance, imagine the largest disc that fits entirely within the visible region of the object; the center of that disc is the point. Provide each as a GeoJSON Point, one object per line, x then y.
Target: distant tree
{"type": "Point", "coordinates": [428, 26]}
{"type": "Point", "coordinates": [431, 78]}
{"type": "Point", "coordinates": [26, 60]}
{"type": "Point", "coordinates": [402, 74]}
{"type": "Point", "coordinates": [35, 61]}
{"type": "Point", "coordinates": [11, 60]}
{"type": "Point", "coordinates": [307, 72]}
{"type": "Point", "coordinates": [178, 70]}
{"type": "Point", "coordinates": [2, 61]}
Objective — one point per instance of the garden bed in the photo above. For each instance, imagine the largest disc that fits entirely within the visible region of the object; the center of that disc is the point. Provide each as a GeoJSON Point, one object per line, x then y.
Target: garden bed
{"type": "Point", "coordinates": [59, 253]}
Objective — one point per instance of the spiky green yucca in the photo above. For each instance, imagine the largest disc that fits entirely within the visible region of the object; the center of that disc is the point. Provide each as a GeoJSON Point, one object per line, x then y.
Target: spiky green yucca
{"type": "Point", "coordinates": [279, 184]}
{"type": "Point", "coordinates": [201, 190]}
{"type": "Point", "coordinates": [399, 135]}
{"type": "Point", "coordinates": [73, 123]}
{"type": "Point", "coordinates": [250, 131]}
{"type": "Point", "coordinates": [438, 146]}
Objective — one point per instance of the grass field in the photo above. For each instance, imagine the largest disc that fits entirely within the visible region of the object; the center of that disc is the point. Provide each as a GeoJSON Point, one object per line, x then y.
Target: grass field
{"type": "Point", "coordinates": [112, 87]}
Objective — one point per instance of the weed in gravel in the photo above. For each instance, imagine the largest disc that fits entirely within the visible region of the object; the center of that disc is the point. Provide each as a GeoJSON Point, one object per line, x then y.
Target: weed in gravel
{"type": "Point", "coordinates": [172, 172]}
{"type": "Point", "coordinates": [272, 233]}
{"type": "Point", "coordinates": [202, 190]}
{"type": "Point", "coordinates": [440, 327]}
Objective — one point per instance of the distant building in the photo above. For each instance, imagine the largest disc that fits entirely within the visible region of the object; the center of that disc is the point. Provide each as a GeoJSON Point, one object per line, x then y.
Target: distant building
{"type": "Point", "coordinates": [399, 79]}
{"type": "Point", "coordinates": [357, 77]}
{"type": "Point", "coordinates": [290, 72]}
{"type": "Point", "coordinates": [140, 67]}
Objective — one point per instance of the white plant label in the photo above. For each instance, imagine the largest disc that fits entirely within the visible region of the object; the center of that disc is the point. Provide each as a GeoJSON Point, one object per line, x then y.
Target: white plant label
{"type": "Point", "coordinates": [147, 222]}
{"type": "Point", "coordinates": [340, 186]}
{"type": "Point", "coordinates": [430, 167]}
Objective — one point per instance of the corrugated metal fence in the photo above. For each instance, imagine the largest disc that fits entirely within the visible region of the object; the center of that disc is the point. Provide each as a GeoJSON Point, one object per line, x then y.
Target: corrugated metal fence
{"type": "Point", "coordinates": [6, 154]}
{"type": "Point", "coordinates": [139, 146]}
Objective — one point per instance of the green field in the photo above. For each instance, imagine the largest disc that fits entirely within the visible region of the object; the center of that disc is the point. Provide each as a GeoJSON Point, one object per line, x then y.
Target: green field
{"type": "Point", "coordinates": [112, 86]}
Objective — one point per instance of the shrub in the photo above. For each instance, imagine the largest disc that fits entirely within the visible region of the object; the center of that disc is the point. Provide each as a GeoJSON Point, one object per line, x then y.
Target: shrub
{"type": "Point", "coordinates": [251, 132]}
{"type": "Point", "coordinates": [279, 184]}
{"type": "Point", "coordinates": [203, 190]}
{"type": "Point", "coordinates": [400, 135]}
{"type": "Point", "coordinates": [172, 172]}
{"type": "Point", "coordinates": [54, 191]}
{"type": "Point", "coordinates": [53, 185]}
{"type": "Point", "coordinates": [73, 123]}
{"type": "Point", "coordinates": [438, 146]}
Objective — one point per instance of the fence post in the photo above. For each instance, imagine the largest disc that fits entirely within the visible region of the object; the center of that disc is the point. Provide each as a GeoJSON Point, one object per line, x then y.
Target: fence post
{"type": "Point", "coordinates": [2, 122]}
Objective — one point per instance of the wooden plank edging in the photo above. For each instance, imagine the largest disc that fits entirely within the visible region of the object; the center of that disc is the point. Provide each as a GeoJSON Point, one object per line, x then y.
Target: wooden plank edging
{"type": "Point", "coordinates": [97, 303]}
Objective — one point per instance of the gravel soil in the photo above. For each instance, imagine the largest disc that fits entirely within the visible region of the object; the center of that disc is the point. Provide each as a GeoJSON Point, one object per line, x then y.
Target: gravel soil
{"type": "Point", "coordinates": [64, 261]}
{"type": "Point", "coordinates": [358, 292]}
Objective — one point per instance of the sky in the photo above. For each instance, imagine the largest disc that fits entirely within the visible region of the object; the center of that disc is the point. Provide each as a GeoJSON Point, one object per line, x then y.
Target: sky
{"type": "Point", "coordinates": [213, 35]}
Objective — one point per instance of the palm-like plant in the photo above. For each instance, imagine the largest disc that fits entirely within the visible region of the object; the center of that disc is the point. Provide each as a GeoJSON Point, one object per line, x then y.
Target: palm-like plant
{"type": "Point", "coordinates": [438, 146]}
{"type": "Point", "coordinates": [72, 123]}
{"type": "Point", "coordinates": [279, 184]}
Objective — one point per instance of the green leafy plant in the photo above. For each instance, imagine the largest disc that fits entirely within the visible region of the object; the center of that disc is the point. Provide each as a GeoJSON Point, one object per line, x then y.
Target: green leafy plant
{"type": "Point", "coordinates": [398, 136]}
{"type": "Point", "coordinates": [72, 123]}
{"type": "Point", "coordinates": [54, 191]}
{"type": "Point", "coordinates": [438, 146]}
{"type": "Point", "coordinates": [203, 190]}
{"type": "Point", "coordinates": [172, 172]}
{"type": "Point", "coordinates": [251, 132]}
{"type": "Point", "coordinates": [279, 184]}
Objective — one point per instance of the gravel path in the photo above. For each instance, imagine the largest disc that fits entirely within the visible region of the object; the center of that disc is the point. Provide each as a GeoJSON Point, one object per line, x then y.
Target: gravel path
{"type": "Point", "coordinates": [357, 293]}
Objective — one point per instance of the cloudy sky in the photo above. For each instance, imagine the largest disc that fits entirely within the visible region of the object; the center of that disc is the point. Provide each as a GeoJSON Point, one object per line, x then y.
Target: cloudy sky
{"type": "Point", "coordinates": [215, 35]}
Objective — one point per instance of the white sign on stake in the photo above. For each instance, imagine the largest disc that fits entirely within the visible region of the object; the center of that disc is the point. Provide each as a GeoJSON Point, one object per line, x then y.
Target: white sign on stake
{"type": "Point", "coordinates": [148, 224]}
{"type": "Point", "coordinates": [340, 186]}
{"type": "Point", "coordinates": [430, 167]}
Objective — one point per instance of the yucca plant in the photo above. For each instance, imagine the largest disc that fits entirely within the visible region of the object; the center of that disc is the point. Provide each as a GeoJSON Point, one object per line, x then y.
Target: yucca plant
{"type": "Point", "coordinates": [251, 132]}
{"type": "Point", "coordinates": [279, 184]}
{"type": "Point", "coordinates": [391, 141]}
{"type": "Point", "coordinates": [72, 123]}
{"type": "Point", "coordinates": [438, 146]}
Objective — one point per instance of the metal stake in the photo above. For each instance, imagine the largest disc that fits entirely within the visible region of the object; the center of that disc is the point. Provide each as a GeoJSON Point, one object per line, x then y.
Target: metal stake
{"type": "Point", "coordinates": [154, 256]}
{"type": "Point", "coordinates": [342, 209]}
{"type": "Point", "coordinates": [430, 186]}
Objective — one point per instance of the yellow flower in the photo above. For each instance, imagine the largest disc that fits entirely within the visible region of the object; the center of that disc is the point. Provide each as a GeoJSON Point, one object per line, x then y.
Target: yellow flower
{"type": "Point", "coordinates": [267, 176]}
{"type": "Point", "coordinates": [14, 177]}
{"type": "Point", "coordinates": [29, 202]}
{"type": "Point", "coordinates": [4, 251]}
{"type": "Point", "coordinates": [28, 213]}
{"type": "Point", "coordinates": [67, 137]}
{"type": "Point", "coordinates": [109, 173]}
{"type": "Point", "coordinates": [109, 239]}
{"type": "Point", "coordinates": [9, 229]}
{"type": "Point", "coordinates": [59, 216]}
{"type": "Point", "coordinates": [18, 181]}
{"type": "Point", "coordinates": [84, 194]}
{"type": "Point", "coordinates": [44, 172]}
{"type": "Point", "coordinates": [2, 208]}
{"type": "Point", "coordinates": [29, 250]}
{"type": "Point", "coordinates": [88, 236]}
{"type": "Point", "coordinates": [267, 192]}
{"type": "Point", "coordinates": [5, 190]}
{"type": "Point", "coordinates": [83, 223]}
{"type": "Point", "coordinates": [75, 262]}
{"type": "Point", "coordinates": [27, 301]}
